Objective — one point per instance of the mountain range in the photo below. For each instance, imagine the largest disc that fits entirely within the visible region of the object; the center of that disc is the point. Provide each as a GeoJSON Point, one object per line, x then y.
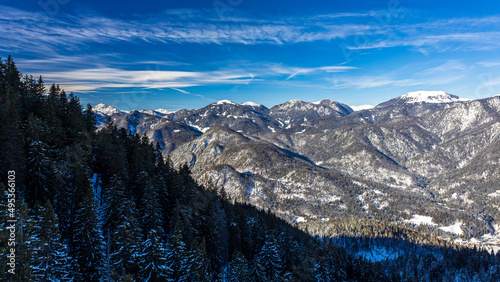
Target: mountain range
{"type": "Point", "coordinates": [425, 154]}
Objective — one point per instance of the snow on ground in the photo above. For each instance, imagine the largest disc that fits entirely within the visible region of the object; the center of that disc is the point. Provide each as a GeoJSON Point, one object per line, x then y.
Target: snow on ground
{"type": "Point", "coordinates": [222, 102]}
{"type": "Point", "coordinates": [300, 132]}
{"type": "Point", "coordinates": [300, 219]}
{"type": "Point", "coordinates": [495, 194]}
{"type": "Point", "coordinates": [251, 104]}
{"type": "Point", "coordinates": [163, 111]}
{"type": "Point", "coordinates": [106, 109]}
{"type": "Point", "coordinates": [176, 130]}
{"type": "Point", "coordinates": [361, 107]}
{"type": "Point", "coordinates": [201, 129]}
{"type": "Point", "coordinates": [421, 219]}
{"type": "Point", "coordinates": [455, 228]}
{"type": "Point", "coordinates": [378, 254]}
{"type": "Point", "coordinates": [431, 97]}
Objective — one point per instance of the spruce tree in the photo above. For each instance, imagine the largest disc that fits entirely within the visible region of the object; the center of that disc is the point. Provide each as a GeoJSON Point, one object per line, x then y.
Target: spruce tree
{"type": "Point", "coordinates": [51, 261]}
{"type": "Point", "coordinates": [238, 269]}
{"type": "Point", "coordinates": [87, 240]}
{"type": "Point", "coordinates": [154, 259]}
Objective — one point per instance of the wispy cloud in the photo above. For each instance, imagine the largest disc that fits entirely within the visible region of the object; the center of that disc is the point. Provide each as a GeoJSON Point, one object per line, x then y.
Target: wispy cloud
{"type": "Point", "coordinates": [365, 82]}
{"type": "Point", "coordinates": [294, 71]}
{"type": "Point", "coordinates": [89, 79]}
{"type": "Point", "coordinates": [439, 35]}
{"type": "Point", "coordinates": [27, 30]}
{"type": "Point", "coordinates": [34, 33]}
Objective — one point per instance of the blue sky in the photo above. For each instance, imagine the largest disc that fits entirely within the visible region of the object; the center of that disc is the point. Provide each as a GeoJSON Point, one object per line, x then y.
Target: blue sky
{"type": "Point", "coordinates": [187, 54]}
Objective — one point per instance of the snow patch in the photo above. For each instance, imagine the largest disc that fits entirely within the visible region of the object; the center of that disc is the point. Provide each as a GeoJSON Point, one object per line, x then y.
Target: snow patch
{"type": "Point", "coordinates": [200, 129]}
{"type": "Point", "coordinates": [106, 109]}
{"type": "Point", "coordinates": [163, 111]}
{"type": "Point", "coordinates": [300, 219]}
{"type": "Point", "coordinates": [420, 219]}
{"type": "Point", "coordinates": [431, 97]}
{"type": "Point", "coordinates": [222, 102]}
{"type": "Point", "coordinates": [300, 132]}
{"type": "Point", "coordinates": [494, 194]}
{"type": "Point", "coordinates": [251, 104]}
{"type": "Point", "coordinates": [455, 228]}
{"type": "Point", "coordinates": [361, 107]}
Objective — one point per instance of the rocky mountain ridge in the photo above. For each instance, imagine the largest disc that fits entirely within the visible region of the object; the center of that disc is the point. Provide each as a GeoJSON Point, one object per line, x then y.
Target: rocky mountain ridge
{"type": "Point", "coordinates": [423, 153]}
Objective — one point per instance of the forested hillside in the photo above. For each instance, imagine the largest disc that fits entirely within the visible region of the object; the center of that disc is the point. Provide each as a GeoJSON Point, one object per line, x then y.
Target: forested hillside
{"type": "Point", "coordinates": [105, 205]}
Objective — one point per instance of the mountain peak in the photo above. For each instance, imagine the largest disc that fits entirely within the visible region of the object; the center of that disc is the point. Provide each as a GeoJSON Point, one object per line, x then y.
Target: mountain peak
{"type": "Point", "coordinates": [430, 97]}
{"type": "Point", "coordinates": [106, 109]}
{"type": "Point", "coordinates": [223, 102]}
{"type": "Point", "coordinates": [251, 104]}
{"type": "Point", "coordinates": [157, 112]}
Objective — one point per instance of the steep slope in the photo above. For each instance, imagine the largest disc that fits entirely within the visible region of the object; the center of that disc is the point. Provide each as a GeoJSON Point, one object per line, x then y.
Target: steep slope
{"type": "Point", "coordinates": [248, 170]}
{"type": "Point", "coordinates": [247, 117]}
{"type": "Point", "coordinates": [294, 113]}
{"type": "Point", "coordinates": [418, 154]}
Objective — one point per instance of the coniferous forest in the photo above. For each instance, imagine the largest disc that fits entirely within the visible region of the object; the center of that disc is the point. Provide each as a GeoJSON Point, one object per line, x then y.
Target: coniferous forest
{"type": "Point", "coordinates": [106, 206]}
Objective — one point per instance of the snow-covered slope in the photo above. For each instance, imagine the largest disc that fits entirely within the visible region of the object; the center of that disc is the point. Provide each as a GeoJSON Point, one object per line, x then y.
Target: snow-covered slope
{"type": "Point", "coordinates": [251, 104]}
{"type": "Point", "coordinates": [430, 97]}
{"type": "Point", "coordinates": [430, 145]}
{"type": "Point", "coordinates": [361, 107]}
{"type": "Point", "coordinates": [106, 109]}
{"type": "Point", "coordinates": [157, 112]}
{"type": "Point", "coordinates": [222, 102]}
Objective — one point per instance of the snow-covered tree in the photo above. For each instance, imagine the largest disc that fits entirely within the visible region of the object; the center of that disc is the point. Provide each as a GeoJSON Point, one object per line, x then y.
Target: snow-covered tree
{"type": "Point", "coordinates": [50, 261]}
{"type": "Point", "coordinates": [154, 259]}
{"type": "Point", "coordinates": [86, 243]}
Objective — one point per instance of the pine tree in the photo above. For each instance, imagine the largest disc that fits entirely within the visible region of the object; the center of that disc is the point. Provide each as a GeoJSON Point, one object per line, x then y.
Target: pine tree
{"type": "Point", "coordinates": [238, 270]}
{"type": "Point", "coordinates": [155, 264]}
{"type": "Point", "coordinates": [197, 258]}
{"type": "Point", "coordinates": [51, 261]}
{"type": "Point", "coordinates": [269, 259]}
{"type": "Point", "coordinates": [24, 246]}
{"type": "Point", "coordinates": [181, 263]}
{"type": "Point", "coordinates": [152, 214]}
{"type": "Point", "coordinates": [125, 249]}
{"type": "Point", "coordinates": [87, 241]}
{"type": "Point", "coordinates": [38, 177]}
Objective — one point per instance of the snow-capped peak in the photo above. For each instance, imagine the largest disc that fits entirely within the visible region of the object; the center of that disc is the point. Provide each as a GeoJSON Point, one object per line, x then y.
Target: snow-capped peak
{"type": "Point", "coordinates": [163, 111]}
{"type": "Point", "coordinates": [430, 97]}
{"type": "Point", "coordinates": [361, 107]}
{"type": "Point", "coordinates": [251, 104]}
{"type": "Point", "coordinates": [157, 112]}
{"type": "Point", "coordinates": [222, 102]}
{"type": "Point", "coordinates": [106, 109]}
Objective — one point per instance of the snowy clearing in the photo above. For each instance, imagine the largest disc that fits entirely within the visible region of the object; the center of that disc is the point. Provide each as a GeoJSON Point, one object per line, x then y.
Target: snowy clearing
{"type": "Point", "coordinates": [455, 228]}
{"type": "Point", "coordinates": [421, 219]}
